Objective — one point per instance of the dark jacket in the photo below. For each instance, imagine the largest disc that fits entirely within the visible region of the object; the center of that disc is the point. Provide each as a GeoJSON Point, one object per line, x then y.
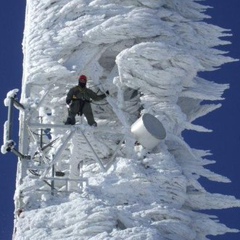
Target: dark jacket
{"type": "Point", "coordinates": [80, 96]}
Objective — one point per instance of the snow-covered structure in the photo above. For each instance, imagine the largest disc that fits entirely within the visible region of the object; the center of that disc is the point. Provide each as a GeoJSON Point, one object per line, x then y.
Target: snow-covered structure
{"type": "Point", "coordinates": [80, 182]}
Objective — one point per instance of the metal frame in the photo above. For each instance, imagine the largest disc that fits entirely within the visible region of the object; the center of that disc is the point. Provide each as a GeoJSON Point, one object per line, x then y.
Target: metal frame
{"type": "Point", "coordinates": [73, 130]}
{"type": "Point", "coordinates": [40, 126]}
{"type": "Point", "coordinates": [11, 145]}
{"type": "Point", "coordinates": [66, 180]}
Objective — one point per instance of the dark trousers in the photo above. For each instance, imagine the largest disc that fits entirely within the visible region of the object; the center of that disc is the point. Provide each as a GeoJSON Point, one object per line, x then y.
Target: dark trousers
{"type": "Point", "coordinates": [86, 111]}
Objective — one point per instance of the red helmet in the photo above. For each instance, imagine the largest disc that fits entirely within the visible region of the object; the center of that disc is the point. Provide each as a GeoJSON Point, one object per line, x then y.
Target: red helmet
{"type": "Point", "coordinates": [82, 79]}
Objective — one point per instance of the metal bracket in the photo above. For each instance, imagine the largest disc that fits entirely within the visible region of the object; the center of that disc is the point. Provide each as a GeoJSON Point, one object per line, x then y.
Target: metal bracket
{"type": "Point", "coordinates": [9, 144]}
{"type": "Point", "coordinates": [73, 129]}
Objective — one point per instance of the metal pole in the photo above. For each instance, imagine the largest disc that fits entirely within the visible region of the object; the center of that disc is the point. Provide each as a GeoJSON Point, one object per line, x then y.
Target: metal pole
{"type": "Point", "coordinates": [59, 152]}
{"type": "Point", "coordinates": [41, 134]}
{"type": "Point", "coordinates": [10, 119]}
{"type": "Point", "coordinates": [112, 160]}
{"type": "Point", "coordinates": [97, 158]}
{"type": "Point", "coordinates": [20, 155]}
{"type": "Point", "coordinates": [52, 181]}
{"type": "Point", "coordinates": [49, 125]}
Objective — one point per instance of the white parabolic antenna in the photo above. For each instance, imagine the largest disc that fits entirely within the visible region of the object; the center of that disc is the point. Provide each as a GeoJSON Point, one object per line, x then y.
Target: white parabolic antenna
{"type": "Point", "coordinates": [148, 131]}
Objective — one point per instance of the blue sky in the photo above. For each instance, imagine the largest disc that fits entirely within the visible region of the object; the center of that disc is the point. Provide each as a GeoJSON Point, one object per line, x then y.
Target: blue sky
{"type": "Point", "coordinates": [11, 28]}
{"type": "Point", "coordinates": [224, 142]}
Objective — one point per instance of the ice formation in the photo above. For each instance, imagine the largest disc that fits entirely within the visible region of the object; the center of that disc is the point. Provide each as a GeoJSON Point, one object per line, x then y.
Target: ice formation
{"type": "Point", "coordinates": [148, 54]}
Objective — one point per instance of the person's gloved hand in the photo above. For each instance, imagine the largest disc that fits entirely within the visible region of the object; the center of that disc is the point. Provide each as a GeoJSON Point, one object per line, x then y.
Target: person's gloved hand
{"type": "Point", "coordinates": [68, 101]}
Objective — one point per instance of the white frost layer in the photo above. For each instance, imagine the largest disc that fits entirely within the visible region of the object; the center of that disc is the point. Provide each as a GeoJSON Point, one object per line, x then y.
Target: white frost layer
{"type": "Point", "coordinates": [122, 208]}
{"type": "Point", "coordinates": [148, 55]}
{"type": "Point", "coordinates": [10, 94]}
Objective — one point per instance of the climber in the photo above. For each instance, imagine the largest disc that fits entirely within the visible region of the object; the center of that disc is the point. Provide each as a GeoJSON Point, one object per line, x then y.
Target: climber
{"type": "Point", "coordinates": [78, 99]}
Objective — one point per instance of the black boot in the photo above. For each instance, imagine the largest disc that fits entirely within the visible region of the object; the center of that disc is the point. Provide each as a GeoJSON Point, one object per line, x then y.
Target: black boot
{"type": "Point", "coordinates": [69, 122]}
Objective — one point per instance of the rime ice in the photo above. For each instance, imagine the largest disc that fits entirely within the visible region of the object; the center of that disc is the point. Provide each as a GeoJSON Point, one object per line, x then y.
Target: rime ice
{"type": "Point", "coordinates": [148, 55]}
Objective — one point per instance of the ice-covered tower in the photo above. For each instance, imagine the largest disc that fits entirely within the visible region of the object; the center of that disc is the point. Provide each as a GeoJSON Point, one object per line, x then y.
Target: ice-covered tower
{"type": "Point", "coordinates": [80, 182]}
